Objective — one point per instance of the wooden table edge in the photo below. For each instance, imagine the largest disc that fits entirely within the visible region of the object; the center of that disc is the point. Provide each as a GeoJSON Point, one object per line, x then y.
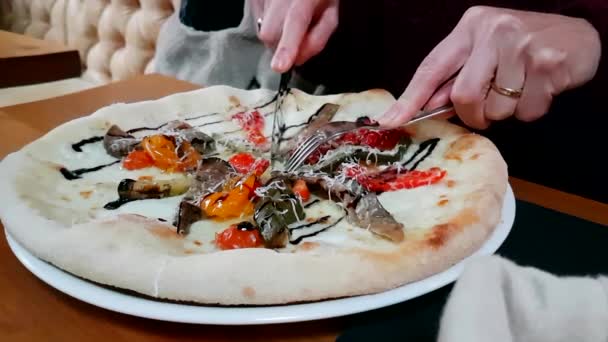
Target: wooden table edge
{"type": "Point", "coordinates": [557, 200]}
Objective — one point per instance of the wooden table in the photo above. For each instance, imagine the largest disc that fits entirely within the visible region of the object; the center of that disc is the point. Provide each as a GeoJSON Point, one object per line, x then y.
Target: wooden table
{"type": "Point", "coordinates": [30, 310]}
{"type": "Point", "coordinates": [28, 60]}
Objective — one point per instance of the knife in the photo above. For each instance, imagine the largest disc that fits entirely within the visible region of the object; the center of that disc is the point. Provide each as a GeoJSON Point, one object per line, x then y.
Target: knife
{"type": "Point", "coordinates": [278, 122]}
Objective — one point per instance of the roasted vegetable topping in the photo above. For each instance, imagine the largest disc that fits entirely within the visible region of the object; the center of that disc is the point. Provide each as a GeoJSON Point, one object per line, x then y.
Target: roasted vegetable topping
{"type": "Point", "coordinates": [382, 140]}
{"type": "Point", "coordinates": [370, 214]}
{"type": "Point", "coordinates": [188, 213]}
{"type": "Point", "coordinates": [148, 189]}
{"type": "Point", "coordinates": [301, 190]}
{"type": "Point", "coordinates": [132, 190]}
{"type": "Point", "coordinates": [118, 143]}
{"type": "Point", "coordinates": [245, 163]}
{"type": "Point", "coordinates": [393, 179]}
{"type": "Point", "coordinates": [162, 151]}
{"type": "Point", "coordinates": [253, 124]}
{"type": "Point", "coordinates": [200, 141]}
{"type": "Point", "coordinates": [137, 159]}
{"type": "Point", "coordinates": [275, 211]}
{"type": "Point", "coordinates": [230, 203]}
{"type": "Point", "coordinates": [169, 157]}
{"type": "Point", "coordinates": [235, 237]}
{"type": "Point", "coordinates": [322, 117]}
{"type": "Point", "coordinates": [211, 175]}
{"type": "Point", "coordinates": [335, 161]}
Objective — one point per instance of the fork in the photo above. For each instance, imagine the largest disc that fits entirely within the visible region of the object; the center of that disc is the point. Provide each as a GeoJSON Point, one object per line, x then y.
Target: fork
{"type": "Point", "coordinates": [319, 137]}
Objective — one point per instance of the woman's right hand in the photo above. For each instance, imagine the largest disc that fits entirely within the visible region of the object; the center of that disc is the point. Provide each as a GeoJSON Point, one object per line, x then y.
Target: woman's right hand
{"type": "Point", "coordinates": [296, 30]}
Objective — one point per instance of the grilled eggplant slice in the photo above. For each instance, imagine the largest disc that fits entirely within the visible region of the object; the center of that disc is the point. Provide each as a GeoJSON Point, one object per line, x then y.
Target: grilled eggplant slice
{"type": "Point", "coordinates": [187, 214]}
{"type": "Point", "coordinates": [119, 143]}
{"type": "Point", "coordinates": [370, 214]}
{"type": "Point", "coordinates": [275, 211]}
{"type": "Point", "coordinates": [149, 189]}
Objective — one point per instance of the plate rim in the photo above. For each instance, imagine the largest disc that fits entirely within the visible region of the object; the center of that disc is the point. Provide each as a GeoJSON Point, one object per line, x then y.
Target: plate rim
{"type": "Point", "coordinates": [94, 294]}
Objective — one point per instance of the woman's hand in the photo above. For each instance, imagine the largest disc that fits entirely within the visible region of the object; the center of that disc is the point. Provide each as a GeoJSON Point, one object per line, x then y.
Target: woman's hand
{"type": "Point", "coordinates": [297, 29]}
{"type": "Point", "coordinates": [539, 55]}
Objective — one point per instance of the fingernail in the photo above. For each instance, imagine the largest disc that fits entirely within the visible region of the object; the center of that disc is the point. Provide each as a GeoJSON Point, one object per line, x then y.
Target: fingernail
{"type": "Point", "coordinates": [274, 64]}
{"type": "Point", "coordinates": [279, 61]}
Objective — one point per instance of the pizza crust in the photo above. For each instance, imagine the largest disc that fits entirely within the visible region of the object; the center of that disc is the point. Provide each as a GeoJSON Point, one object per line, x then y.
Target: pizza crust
{"type": "Point", "coordinates": [143, 255]}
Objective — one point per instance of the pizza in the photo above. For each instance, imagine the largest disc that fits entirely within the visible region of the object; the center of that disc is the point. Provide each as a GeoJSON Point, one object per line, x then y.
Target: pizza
{"type": "Point", "coordinates": [175, 199]}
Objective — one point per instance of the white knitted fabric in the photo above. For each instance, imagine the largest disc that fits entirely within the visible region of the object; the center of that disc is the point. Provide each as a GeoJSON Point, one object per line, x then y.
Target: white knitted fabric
{"type": "Point", "coordinates": [497, 300]}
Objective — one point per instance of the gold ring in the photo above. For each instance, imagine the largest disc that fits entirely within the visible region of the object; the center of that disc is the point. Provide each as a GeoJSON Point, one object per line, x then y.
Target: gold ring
{"type": "Point", "coordinates": [515, 93]}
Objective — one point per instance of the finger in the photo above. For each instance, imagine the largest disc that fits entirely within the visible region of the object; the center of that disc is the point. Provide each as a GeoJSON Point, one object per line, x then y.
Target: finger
{"type": "Point", "coordinates": [272, 23]}
{"type": "Point", "coordinates": [472, 84]}
{"type": "Point", "coordinates": [510, 73]}
{"type": "Point", "coordinates": [257, 9]}
{"type": "Point", "coordinates": [295, 27]}
{"type": "Point", "coordinates": [536, 97]}
{"type": "Point", "coordinates": [319, 34]}
{"type": "Point", "coordinates": [442, 63]}
{"type": "Point", "coordinates": [441, 97]}
{"type": "Point", "coordinates": [544, 79]}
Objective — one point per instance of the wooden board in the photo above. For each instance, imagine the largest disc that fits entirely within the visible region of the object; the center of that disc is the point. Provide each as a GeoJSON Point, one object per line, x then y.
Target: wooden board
{"type": "Point", "coordinates": [26, 60]}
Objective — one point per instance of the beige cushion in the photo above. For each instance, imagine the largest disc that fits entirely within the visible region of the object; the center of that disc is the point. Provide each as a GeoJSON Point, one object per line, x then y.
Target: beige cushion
{"type": "Point", "coordinates": [116, 39]}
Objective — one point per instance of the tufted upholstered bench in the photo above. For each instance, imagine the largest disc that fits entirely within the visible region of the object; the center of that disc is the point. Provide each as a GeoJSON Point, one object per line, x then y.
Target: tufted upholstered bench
{"type": "Point", "coordinates": [116, 39]}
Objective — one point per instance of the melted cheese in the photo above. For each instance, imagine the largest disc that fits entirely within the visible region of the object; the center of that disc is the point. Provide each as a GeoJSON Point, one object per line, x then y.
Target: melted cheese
{"type": "Point", "coordinates": [63, 200]}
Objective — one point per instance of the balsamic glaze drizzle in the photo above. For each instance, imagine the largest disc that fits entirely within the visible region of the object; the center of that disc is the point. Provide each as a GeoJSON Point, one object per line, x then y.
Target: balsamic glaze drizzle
{"type": "Point", "coordinates": [117, 203]}
{"type": "Point", "coordinates": [266, 104]}
{"type": "Point", "coordinates": [317, 221]}
{"type": "Point", "coordinates": [272, 100]}
{"type": "Point", "coordinates": [287, 91]}
{"type": "Point", "coordinates": [308, 205]}
{"type": "Point", "coordinates": [139, 129]}
{"type": "Point", "coordinates": [286, 128]}
{"type": "Point", "coordinates": [302, 237]}
{"type": "Point", "coordinates": [75, 174]}
{"type": "Point", "coordinates": [78, 146]}
{"type": "Point", "coordinates": [428, 146]}
{"type": "Point", "coordinates": [296, 125]}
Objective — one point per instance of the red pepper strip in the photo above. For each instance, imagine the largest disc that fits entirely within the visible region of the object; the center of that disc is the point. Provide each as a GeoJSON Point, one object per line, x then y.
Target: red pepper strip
{"type": "Point", "coordinates": [244, 163]}
{"type": "Point", "coordinates": [253, 124]}
{"type": "Point", "coordinates": [390, 180]}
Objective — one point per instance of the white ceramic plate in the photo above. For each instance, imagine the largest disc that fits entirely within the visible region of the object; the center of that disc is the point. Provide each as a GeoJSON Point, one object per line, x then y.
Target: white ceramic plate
{"type": "Point", "coordinates": [143, 307]}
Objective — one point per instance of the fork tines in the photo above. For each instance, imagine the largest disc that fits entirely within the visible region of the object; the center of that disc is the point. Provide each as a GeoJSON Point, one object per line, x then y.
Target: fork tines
{"type": "Point", "coordinates": [303, 151]}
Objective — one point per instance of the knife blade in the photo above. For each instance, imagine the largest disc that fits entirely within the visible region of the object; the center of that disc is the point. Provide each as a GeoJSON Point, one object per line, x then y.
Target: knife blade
{"type": "Point", "coordinates": [278, 122]}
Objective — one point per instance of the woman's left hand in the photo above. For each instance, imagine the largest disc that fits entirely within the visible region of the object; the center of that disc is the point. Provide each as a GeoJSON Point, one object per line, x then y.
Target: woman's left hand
{"type": "Point", "coordinates": [506, 62]}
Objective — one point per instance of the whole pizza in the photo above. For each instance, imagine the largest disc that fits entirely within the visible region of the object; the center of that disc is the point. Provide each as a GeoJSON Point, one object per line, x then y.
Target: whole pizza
{"type": "Point", "coordinates": [176, 198]}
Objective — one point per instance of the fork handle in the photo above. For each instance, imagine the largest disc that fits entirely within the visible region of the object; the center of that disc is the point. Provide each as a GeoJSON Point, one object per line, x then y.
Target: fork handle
{"type": "Point", "coordinates": [429, 114]}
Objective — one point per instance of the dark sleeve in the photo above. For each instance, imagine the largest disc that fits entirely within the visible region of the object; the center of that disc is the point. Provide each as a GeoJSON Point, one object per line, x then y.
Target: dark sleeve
{"type": "Point", "coordinates": [211, 15]}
